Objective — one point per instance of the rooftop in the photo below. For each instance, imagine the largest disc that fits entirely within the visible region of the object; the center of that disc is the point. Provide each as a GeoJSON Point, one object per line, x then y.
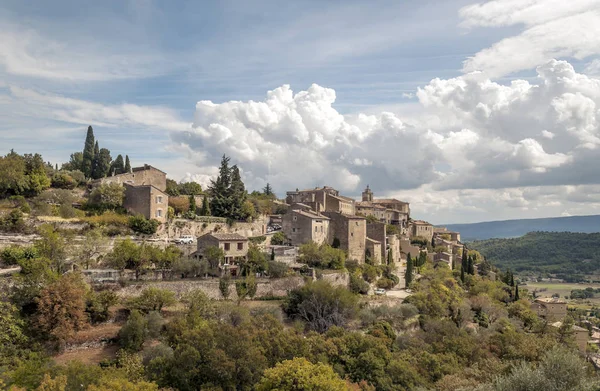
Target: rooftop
{"type": "Point", "coordinates": [388, 201]}
{"type": "Point", "coordinates": [312, 215]}
{"type": "Point", "coordinates": [223, 236]}
{"type": "Point", "coordinates": [146, 167]}
{"type": "Point", "coordinates": [420, 222]}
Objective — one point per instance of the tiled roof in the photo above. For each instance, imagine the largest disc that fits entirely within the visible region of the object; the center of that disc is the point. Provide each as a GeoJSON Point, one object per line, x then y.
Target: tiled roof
{"type": "Point", "coordinates": [223, 236]}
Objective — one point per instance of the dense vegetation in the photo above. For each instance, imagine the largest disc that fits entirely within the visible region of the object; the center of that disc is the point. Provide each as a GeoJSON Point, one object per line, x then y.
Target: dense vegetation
{"type": "Point", "coordinates": [564, 253]}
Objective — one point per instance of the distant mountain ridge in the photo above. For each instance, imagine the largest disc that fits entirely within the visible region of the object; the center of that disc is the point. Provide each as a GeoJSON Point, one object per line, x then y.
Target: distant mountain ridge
{"type": "Point", "coordinates": [516, 228]}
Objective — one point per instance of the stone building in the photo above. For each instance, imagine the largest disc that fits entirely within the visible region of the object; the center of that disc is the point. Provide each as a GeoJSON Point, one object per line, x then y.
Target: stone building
{"type": "Point", "coordinates": [351, 231]}
{"type": "Point", "coordinates": [444, 257]}
{"type": "Point", "coordinates": [550, 309]}
{"type": "Point", "coordinates": [444, 233]}
{"type": "Point", "coordinates": [393, 246]}
{"type": "Point", "coordinates": [373, 248]}
{"type": "Point", "coordinates": [144, 191]}
{"type": "Point", "coordinates": [421, 228]}
{"type": "Point", "coordinates": [377, 231]}
{"type": "Point", "coordinates": [234, 246]}
{"type": "Point", "coordinates": [322, 199]}
{"type": "Point", "coordinates": [408, 248]}
{"type": "Point", "coordinates": [580, 334]}
{"type": "Point", "coordinates": [386, 210]}
{"type": "Point", "coordinates": [302, 225]}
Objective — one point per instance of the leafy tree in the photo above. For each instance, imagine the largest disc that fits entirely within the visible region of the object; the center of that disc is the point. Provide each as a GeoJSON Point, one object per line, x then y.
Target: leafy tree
{"type": "Point", "coordinates": [245, 287]}
{"type": "Point", "coordinates": [127, 164]}
{"type": "Point", "coordinates": [92, 247]}
{"type": "Point", "coordinates": [127, 255]}
{"type": "Point", "coordinates": [152, 299]}
{"type": "Point", "coordinates": [172, 188]}
{"type": "Point", "coordinates": [257, 261]}
{"type": "Point", "coordinates": [408, 274]}
{"type": "Point", "coordinates": [205, 210]}
{"type": "Point", "coordinates": [224, 283]}
{"type": "Point", "coordinates": [277, 269]}
{"type": "Point", "coordinates": [88, 153]}
{"type": "Point", "coordinates": [134, 332]}
{"type": "Point", "coordinates": [52, 246]}
{"type": "Point", "coordinates": [12, 337]}
{"type": "Point", "coordinates": [143, 225]}
{"type": "Point", "coordinates": [390, 257]}
{"type": "Point", "coordinates": [13, 222]}
{"type": "Point", "coordinates": [321, 305]}
{"type": "Point", "coordinates": [75, 162]}
{"type": "Point", "coordinates": [103, 162]}
{"type": "Point", "coordinates": [61, 307]}
{"type": "Point", "coordinates": [278, 238]}
{"type": "Point", "coordinates": [299, 374]}
{"type": "Point", "coordinates": [470, 267]}
{"type": "Point", "coordinates": [214, 255]}
{"type": "Point", "coordinates": [190, 188]}
{"type": "Point", "coordinates": [98, 305]}
{"type": "Point", "coordinates": [107, 197]}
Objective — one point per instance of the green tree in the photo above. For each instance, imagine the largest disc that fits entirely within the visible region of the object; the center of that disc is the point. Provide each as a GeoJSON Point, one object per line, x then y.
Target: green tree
{"type": "Point", "coordinates": [517, 292]}
{"type": "Point", "coordinates": [299, 374]}
{"type": "Point", "coordinates": [268, 190]}
{"type": "Point", "coordinates": [126, 255]}
{"type": "Point", "coordinates": [192, 205]}
{"type": "Point", "coordinates": [470, 267]}
{"type": "Point", "coordinates": [278, 238]}
{"type": "Point", "coordinates": [12, 338]}
{"type": "Point", "coordinates": [190, 188]}
{"type": "Point", "coordinates": [118, 166]}
{"type": "Point", "coordinates": [88, 153]}
{"type": "Point", "coordinates": [52, 245]}
{"type": "Point", "coordinates": [103, 163]}
{"type": "Point", "coordinates": [214, 255]}
{"type": "Point", "coordinates": [152, 299]}
{"type": "Point", "coordinates": [96, 169]}
{"type": "Point", "coordinates": [205, 210]}
{"type": "Point", "coordinates": [408, 274]}
{"type": "Point", "coordinates": [134, 332]}
{"type": "Point", "coordinates": [75, 162]}
{"type": "Point", "coordinates": [237, 191]}
{"type": "Point", "coordinates": [172, 188]}
{"type": "Point", "coordinates": [107, 197]}
{"type": "Point", "coordinates": [127, 164]}
{"type": "Point", "coordinates": [221, 202]}
{"type": "Point", "coordinates": [272, 253]}
{"type": "Point", "coordinates": [224, 283]}
{"type": "Point", "coordinates": [390, 257]}
{"type": "Point", "coordinates": [92, 247]}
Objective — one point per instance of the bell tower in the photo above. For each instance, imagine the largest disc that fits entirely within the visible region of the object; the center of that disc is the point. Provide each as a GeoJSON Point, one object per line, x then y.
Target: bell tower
{"type": "Point", "coordinates": [367, 195]}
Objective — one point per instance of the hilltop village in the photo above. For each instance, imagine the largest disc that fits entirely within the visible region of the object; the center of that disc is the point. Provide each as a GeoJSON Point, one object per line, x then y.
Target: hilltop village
{"type": "Point", "coordinates": [115, 277]}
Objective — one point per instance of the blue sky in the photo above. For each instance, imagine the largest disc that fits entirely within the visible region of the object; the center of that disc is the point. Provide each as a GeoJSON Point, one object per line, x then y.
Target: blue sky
{"type": "Point", "coordinates": [135, 70]}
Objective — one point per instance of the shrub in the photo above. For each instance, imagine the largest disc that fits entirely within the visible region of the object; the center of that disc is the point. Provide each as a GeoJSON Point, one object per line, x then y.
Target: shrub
{"type": "Point", "coordinates": [142, 225]}
{"type": "Point", "coordinates": [278, 238]}
{"type": "Point", "coordinates": [385, 283]}
{"type": "Point", "coordinates": [133, 334]}
{"type": "Point", "coordinates": [358, 285]}
{"type": "Point", "coordinates": [257, 239]}
{"type": "Point", "coordinates": [277, 269]}
{"type": "Point", "coordinates": [152, 299]}
{"type": "Point", "coordinates": [107, 218]}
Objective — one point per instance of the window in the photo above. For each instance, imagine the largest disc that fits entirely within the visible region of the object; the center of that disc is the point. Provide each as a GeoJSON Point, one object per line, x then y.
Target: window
{"type": "Point", "coordinates": [226, 246]}
{"type": "Point", "coordinates": [159, 213]}
{"type": "Point", "coordinates": [293, 229]}
{"type": "Point", "coordinates": [159, 199]}
{"type": "Point", "coordinates": [316, 229]}
{"type": "Point", "coordinates": [295, 218]}
{"type": "Point", "coordinates": [240, 246]}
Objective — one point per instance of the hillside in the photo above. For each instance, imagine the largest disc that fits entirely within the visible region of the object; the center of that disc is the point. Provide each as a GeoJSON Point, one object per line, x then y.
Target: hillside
{"type": "Point", "coordinates": [516, 228]}
{"type": "Point", "coordinates": [563, 253]}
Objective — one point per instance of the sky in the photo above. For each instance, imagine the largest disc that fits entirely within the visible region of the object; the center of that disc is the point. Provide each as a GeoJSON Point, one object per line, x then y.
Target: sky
{"type": "Point", "coordinates": [471, 111]}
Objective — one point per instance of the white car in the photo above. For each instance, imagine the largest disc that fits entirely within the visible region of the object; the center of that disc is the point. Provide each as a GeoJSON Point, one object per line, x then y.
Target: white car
{"type": "Point", "coordinates": [380, 291]}
{"type": "Point", "coordinates": [186, 239]}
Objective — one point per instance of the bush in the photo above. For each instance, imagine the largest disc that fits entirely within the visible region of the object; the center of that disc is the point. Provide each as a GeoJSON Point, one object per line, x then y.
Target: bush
{"type": "Point", "coordinates": [278, 239]}
{"type": "Point", "coordinates": [358, 285]}
{"type": "Point", "coordinates": [277, 269]}
{"type": "Point", "coordinates": [385, 283]}
{"type": "Point", "coordinates": [142, 225]}
{"type": "Point", "coordinates": [133, 333]}
{"type": "Point", "coordinates": [107, 218]}
{"type": "Point", "coordinates": [257, 239]}
{"type": "Point", "coordinates": [62, 180]}
{"type": "Point", "coordinates": [152, 299]}
{"type": "Point", "coordinates": [13, 222]}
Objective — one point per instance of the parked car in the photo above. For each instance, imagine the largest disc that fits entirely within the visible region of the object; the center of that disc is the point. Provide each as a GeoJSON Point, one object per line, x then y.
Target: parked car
{"type": "Point", "coordinates": [380, 291]}
{"type": "Point", "coordinates": [185, 239]}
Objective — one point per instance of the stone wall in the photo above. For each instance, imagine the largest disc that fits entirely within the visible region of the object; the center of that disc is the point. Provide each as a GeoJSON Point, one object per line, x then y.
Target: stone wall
{"type": "Point", "coordinates": [140, 176]}
{"type": "Point", "coordinates": [351, 232]}
{"type": "Point", "coordinates": [337, 278]}
{"type": "Point", "coordinates": [265, 288]}
{"type": "Point", "coordinates": [137, 200]}
{"type": "Point", "coordinates": [377, 231]}
{"type": "Point", "coordinates": [181, 227]}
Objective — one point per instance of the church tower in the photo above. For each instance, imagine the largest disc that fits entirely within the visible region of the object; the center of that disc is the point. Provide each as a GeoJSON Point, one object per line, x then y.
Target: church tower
{"type": "Point", "coordinates": [367, 195]}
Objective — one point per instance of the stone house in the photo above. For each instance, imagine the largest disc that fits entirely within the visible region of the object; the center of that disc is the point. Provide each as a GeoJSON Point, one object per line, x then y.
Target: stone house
{"type": "Point", "coordinates": [408, 248]}
{"type": "Point", "coordinates": [322, 199]}
{"type": "Point", "coordinates": [234, 246]}
{"type": "Point", "coordinates": [351, 231]}
{"type": "Point", "coordinates": [550, 309]}
{"type": "Point", "coordinates": [378, 232]}
{"type": "Point", "coordinates": [446, 234]}
{"type": "Point", "coordinates": [445, 257]}
{"type": "Point", "coordinates": [144, 191]}
{"type": "Point", "coordinates": [386, 210]}
{"type": "Point", "coordinates": [373, 248]}
{"type": "Point", "coordinates": [393, 245]}
{"type": "Point", "coordinates": [421, 228]}
{"type": "Point", "coordinates": [302, 225]}
{"type": "Point", "coordinates": [580, 334]}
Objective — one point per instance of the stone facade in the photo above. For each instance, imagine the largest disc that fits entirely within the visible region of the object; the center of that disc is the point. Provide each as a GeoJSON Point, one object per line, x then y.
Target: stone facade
{"type": "Point", "coordinates": [139, 176]}
{"type": "Point", "coordinates": [303, 225]}
{"type": "Point", "coordinates": [351, 232]}
{"type": "Point", "coordinates": [393, 245]}
{"type": "Point", "coordinates": [146, 200]}
{"type": "Point", "coordinates": [445, 257]}
{"type": "Point", "coordinates": [377, 231]}
{"type": "Point", "coordinates": [322, 199]}
{"type": "Point", "coordinates": [550, 309]}
{"type": "Point", "coordinates": [386, 210]}
{"type": "Point", "coordinates": [234, 246]}
{"type": "Point", "coordinates": [421, 228]}
{"type": "Point", "coordinates": [373, 248]}
{"type": "Point", "coordinates": [408, 248]}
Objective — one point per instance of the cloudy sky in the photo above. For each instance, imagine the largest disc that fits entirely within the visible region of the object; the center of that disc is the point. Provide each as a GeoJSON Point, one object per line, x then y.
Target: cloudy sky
{"type": "Point", "coordinates": [470, 111]}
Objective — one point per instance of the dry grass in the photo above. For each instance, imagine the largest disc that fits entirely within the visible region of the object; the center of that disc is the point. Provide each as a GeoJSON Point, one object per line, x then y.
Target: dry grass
{"type": "Point", "coordinates": [58, 219]}
{"type": "Point", "coordinates": [108, 218]}
{"type": "Point", "coordinates": [88, 356]}
{"type": "Point", "coordinates": [96, 333]}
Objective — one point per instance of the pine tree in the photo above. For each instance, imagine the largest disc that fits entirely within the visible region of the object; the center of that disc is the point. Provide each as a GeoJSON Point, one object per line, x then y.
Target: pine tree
{"type": "Point", "coordinates": [220, 203]}
{"type": "Point", "coordinates": [268, 190]}
{"type": "Point", "coordinates": [118, 166]}
{"type": "Point", "coordinates": [193, 204]}
{"type": "Point", "coordinates": [88, 153]}
{"type": "Point", "coordinates": [408, 275]}
{"type": "Point", "coordinates": [127, 164]}
{"type": "Point", "coordinates": [517, 292]}
{"type": "Point", "coordinates": [205, 211]}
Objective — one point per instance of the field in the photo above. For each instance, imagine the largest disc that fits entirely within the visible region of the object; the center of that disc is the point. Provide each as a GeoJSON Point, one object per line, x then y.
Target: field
{"type": "Point", "coordinates": [547, 289]}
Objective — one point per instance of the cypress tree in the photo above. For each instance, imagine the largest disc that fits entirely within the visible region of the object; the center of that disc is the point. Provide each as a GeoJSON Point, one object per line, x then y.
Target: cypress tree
{"type": "Point", "coordinates": [127, 164]}
{"type": "Point", "coordinates": [470, 266]}
{"type": "Point", "coordinates": [268, 190]}
{"type": "Point", "coordinates": [512, 279]}
{"type": "Point", "coordinates": [517, 292]}
{"type": "Point", "coordinates": [464, 259]}
{"type": "Point", "coordinates": [104, 161]}
{"type": "Point", "coordinates": [193, 204]}
{"type": "Point", "coordinates": [96, 162]}
{"type": "Point", "coordinates": [88, 153]}
{"type": "Point", "coordinates": [408, 275]}
{"type": "Point", "coordinates": [390, 257]}
{"type": "Point", "coordinates": [238, 194]}
{"type": "Point", "coordinates": [462, 274]}
{"type": "Point", "coordinates": [272, 254]}
{"type": "Point", "coordinates": [220, 202]}
{"type": "Point", "coordinates": [205, 211]}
